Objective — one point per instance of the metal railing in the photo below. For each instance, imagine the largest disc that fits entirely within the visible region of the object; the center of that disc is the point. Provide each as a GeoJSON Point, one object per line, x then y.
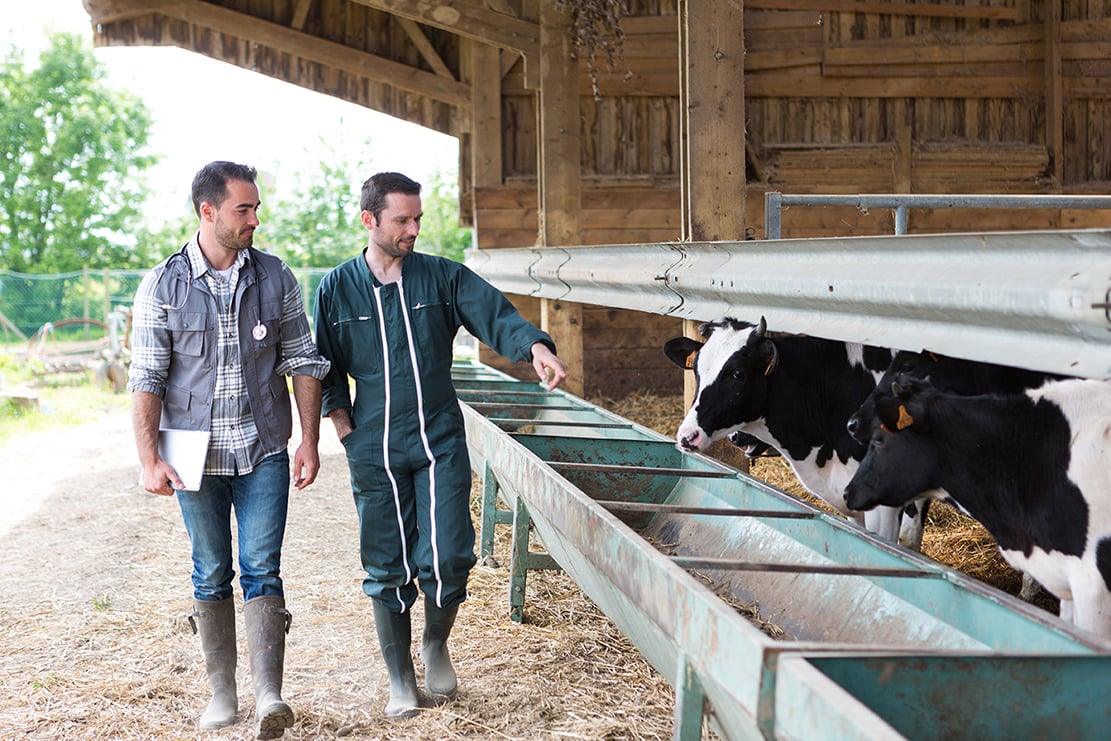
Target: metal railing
{"type": "Point", "coordinates": [1028, 299]}
{"type": "Point", "coordinates": [902, 203]}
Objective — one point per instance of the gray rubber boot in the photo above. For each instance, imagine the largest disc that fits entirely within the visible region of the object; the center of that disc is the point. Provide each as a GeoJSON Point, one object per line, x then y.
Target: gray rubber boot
{"type": "Point", "coordinates": [215, 621]}
{"type": "Point", "coordinates": [267, 623]}
{"type": "Point", "coordinates": [395, 638]}
{"type": "Point", "coordinates": [439, 674]}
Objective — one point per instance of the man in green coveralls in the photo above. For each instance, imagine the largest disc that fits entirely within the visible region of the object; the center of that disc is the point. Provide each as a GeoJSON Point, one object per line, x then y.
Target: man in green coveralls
{"type": "Point", "coordinates": [387, 318]}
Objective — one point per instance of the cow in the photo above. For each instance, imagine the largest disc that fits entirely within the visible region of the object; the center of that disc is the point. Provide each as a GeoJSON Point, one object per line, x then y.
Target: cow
{"type": "Point", "coordinates": [792, 392]}
{"type": "Point", "coordinates": [958, 376]}
{"type": "Point", "coordinates": [1033, 467]}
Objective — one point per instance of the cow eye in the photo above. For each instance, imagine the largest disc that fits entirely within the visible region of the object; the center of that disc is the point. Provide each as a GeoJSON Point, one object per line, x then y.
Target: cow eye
{"type": "Point", "coordinates": [739, 374]}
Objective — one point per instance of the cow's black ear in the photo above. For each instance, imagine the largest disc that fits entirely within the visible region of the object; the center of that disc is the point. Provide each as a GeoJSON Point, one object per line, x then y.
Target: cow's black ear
{"type": "Point", "coordinates": [893, 413]}
{"type": "Point", "coordinates": [682, 351]}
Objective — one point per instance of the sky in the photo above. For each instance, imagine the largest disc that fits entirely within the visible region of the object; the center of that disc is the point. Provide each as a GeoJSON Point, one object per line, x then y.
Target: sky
{"type": "Point", "coordinates": [274, 125]}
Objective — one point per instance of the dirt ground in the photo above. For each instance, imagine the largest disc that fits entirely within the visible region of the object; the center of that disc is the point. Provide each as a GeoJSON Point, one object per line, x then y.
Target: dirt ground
{"type": "Point", "coordinates": [94, 587]}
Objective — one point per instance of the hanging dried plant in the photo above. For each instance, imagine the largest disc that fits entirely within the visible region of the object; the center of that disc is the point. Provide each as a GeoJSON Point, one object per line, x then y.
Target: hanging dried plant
{"type": "Point", "coordinates": [596, 25]}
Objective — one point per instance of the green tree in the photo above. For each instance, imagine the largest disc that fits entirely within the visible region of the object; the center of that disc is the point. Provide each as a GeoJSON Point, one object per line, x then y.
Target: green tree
{"type": "Point", "coordinates": [313, 222]}
{"type": "Point", "coordinates": [440, 233]}
{"type": "Point", "coordinates": [72, 158]}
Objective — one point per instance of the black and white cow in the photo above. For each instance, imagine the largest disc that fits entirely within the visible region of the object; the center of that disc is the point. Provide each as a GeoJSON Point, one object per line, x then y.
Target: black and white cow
{"type": "Point", "coordinates": [1033, 467]}
{"type": "Point", "coordinates": [792, 392]}
{"type": "Point", "coordinates": [958, 376]}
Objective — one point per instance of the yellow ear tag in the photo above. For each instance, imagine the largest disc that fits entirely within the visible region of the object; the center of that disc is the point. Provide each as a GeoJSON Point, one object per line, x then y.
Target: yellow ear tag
{"type": "Point", "coordinates": [770, 366]}
{"type": "Point", "coordinates": [905, 420]}
{"type": "Point", "coordinates": [690, 359]}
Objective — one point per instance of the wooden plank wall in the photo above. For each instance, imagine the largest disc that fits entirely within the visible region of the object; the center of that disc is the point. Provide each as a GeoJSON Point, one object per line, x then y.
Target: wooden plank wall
{"type": "Point", "coordinates": [905, 97]}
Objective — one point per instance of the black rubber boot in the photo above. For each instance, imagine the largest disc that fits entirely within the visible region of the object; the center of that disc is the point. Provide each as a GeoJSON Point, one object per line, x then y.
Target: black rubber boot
{"type": "Point", "coordinates": [395, 639]}
{"type": "Point", "coordinates": [215, 621]}
{"type": "Point", "coordinates": [267, 623]}
{"type": "Point", "coordinates": [439, 674]}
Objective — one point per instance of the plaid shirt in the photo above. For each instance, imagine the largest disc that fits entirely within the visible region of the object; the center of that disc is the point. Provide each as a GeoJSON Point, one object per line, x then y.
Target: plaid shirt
{"type": "Point", "coordinates": [234, 447]}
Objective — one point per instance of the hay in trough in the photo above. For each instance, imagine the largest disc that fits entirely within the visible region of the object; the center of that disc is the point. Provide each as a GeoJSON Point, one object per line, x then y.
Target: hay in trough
{"type": "Point", "coordinates": [952, 538]}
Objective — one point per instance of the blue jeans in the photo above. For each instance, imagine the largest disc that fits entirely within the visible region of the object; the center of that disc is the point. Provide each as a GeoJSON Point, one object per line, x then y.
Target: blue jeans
{"type": "Point", "coordinates": [261, 500]}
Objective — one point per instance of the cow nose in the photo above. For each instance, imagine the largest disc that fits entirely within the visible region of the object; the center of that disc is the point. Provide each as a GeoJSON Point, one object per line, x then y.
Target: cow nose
{"type": "Point", "coordinates": [689, 441]}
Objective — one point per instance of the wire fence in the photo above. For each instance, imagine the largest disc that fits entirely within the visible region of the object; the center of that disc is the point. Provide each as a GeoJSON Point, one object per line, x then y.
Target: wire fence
{"type": "Point", "coordinates": [30, 302]}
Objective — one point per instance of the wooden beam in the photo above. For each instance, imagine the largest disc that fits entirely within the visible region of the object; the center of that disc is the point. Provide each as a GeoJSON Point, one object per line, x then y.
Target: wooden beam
{"type": "Point", "coordinates": [712, 53]}
{"type": "Point", "coordinates": [425, 47]}
{"type": "Point", "coordinates": [315, 49]}
{"type": "Point", "coordinates": [110, 11]}
{"type": "Point", "coordinates": [1054, 97]}
{"type": "Point", "coordinates": [300, 14]}
{"type": "Point", "coordinates": [934, 10]}
{"type": "Point", "coordinates": [486, 126]}
{"type": "Point", "coordinates": [560, 176]}
{"type": "Point", "coordinates": [468, 18]}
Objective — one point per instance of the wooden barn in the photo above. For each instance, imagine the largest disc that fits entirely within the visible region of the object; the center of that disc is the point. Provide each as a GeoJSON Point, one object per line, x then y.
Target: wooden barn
{"type": "Point", "coordinates": [590, 122]}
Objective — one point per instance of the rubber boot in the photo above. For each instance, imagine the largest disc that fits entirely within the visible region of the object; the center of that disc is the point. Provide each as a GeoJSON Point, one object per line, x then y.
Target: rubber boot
{"type": "Point", "coordinates": [215, 621]}
{"type": "Point", "coordinates": [439, 674]}
{"type": "Point", "coordinates": [267, 623]}
{"type": "Point", "coordinates": [395, 639]}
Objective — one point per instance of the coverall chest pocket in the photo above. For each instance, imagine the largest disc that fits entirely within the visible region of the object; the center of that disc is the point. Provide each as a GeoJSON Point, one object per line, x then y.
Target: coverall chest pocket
{"type": "Point", "coordinates": [187, 331]}
{"type": "Point", "coordinates": [362, 338]}
{"type": "Point", "coordinates": [433, 324]}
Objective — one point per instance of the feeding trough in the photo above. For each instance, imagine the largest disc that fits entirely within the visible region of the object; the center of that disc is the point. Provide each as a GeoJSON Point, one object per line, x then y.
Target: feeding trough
{"type": "Point", "coordinates": [666, 543]}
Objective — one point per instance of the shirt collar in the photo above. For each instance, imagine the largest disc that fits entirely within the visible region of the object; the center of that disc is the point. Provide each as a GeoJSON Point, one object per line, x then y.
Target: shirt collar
{"type": "Point", "coordinates": [198, 265]}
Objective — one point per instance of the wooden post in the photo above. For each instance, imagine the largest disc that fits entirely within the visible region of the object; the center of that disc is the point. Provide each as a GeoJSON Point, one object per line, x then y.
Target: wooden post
{"type": "Point", "coordinates": [711, 70]}
{"type": "Point", "coordinates": [711, 129]}
{"type": "Point", "coordinates": [559, 182]}
{"type": "Point", "coordinates": [486, 133]}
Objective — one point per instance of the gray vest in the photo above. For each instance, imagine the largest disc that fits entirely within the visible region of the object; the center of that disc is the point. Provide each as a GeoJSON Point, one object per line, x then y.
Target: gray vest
{"type": "Point", "coordinates": [191, 378]}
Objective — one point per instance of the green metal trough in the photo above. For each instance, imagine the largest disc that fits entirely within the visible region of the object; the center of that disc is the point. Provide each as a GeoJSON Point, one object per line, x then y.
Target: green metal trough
{"type": "Point", "coordinates": [879, 642]}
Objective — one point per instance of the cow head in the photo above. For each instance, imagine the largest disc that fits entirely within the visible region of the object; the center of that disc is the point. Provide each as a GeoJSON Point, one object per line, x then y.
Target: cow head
{"type": "Point", "coordinates": [914, 364]}
{"type": "Point", "coordinates": [902, 459]}
{"type": "Point", "coordinates": [732, 368]}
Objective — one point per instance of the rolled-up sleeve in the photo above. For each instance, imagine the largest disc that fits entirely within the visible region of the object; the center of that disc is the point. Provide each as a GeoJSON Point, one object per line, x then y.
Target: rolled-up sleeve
{"type": "Point", "coordinates": [299, 352]}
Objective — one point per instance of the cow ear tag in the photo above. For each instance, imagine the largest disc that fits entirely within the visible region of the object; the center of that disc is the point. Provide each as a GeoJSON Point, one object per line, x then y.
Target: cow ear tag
{"type": "Point", "coordinates": [690, 359]}
{"type": "Point", "coordinates": [905, 420]}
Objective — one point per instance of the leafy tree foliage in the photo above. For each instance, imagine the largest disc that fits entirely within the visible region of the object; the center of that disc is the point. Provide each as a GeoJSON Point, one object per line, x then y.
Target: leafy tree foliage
{"type": "Point", "coordinates": [316, 223]}
{"type": "Point", "coordinates": [72, 158]}
{"type": "Point", "coordinates": [440, 233]}
{"type": "Point", "coordinates": [313, 221]}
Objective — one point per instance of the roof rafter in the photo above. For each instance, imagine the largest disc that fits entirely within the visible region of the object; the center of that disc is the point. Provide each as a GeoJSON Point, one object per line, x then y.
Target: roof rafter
{"type": "Point", "coordinates": [298, 43]}
{"type": "Point", "coordinates": [467, 18]}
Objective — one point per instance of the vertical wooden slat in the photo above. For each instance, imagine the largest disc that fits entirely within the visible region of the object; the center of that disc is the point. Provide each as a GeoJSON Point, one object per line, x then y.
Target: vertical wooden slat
{"type": "Point", "coordinates": [1054, 139]}
{"type": "Point", "coordinates": [560, 180]}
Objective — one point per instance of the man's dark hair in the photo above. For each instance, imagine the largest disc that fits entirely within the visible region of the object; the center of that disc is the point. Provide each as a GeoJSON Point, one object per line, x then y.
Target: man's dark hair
{"type": "Point", "coordinates": [211, 182]}
{"type": "Point", "coordinates": [377, 187]}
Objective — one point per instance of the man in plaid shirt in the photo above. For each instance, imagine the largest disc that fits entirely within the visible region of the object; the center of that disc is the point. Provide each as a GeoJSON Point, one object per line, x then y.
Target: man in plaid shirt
{"type": "Point", "coordinates": [217, 328]}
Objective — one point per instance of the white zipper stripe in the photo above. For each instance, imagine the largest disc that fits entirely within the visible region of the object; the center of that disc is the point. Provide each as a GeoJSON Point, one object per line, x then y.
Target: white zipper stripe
{"type": "Point", "coordinates": [386, 443]}
{"type": "Point", "coordinates": [424, 441]}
